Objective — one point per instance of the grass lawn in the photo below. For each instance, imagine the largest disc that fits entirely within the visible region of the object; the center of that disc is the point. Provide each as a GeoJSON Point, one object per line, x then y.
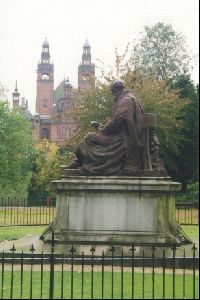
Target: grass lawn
{"type": "Point", "coordinates": [27, 284]}
{"type": "Point", "coordinates": [191, 231]}
{"type": "Point", "coordinates": [14, 233]}
{"type": "Point", "coordinates": [63, 285]}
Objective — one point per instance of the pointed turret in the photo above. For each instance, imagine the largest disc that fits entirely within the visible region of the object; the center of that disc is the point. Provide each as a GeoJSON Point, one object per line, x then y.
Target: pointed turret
{"type": "Point", "coordinates": [67, 88]}
{"type": "Point", "coordinates": [86, 69]}
{"type": "Point", "coordinates": [16, 96]}
{"type": "Point", "coordinates": [45, 55]}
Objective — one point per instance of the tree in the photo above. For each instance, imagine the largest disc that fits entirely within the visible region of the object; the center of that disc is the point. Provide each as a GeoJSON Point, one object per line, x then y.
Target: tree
{"type": "Point", "coordinates": [46, 168]}
{"type": "Point", "coordinates": [15, 152]}
{"type": "Point", "coordinates": [97, 104]}
{"type": "Point", "coordinates": [161, 51]}
{"type": "Point", "coordinates": [156, 97]}
{"type": "Point", "coordinates": [187, 160]}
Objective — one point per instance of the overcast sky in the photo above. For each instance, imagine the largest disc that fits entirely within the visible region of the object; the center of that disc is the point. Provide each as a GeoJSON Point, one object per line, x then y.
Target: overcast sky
{"type": "Point", "coordinates": [106, 24]}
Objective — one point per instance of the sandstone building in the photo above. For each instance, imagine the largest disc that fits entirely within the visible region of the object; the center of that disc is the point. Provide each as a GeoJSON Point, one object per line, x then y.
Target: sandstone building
{"type": "Point", "coordinates": [54, 119]}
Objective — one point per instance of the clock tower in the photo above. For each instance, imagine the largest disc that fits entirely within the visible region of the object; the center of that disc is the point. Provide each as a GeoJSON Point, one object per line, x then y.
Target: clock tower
{"type": "Point", "coordinates": [86, 69]}
{"type": "Point", "coordinates": [44, 96]}
{"type": "Point", "coordinates": [45, 83]}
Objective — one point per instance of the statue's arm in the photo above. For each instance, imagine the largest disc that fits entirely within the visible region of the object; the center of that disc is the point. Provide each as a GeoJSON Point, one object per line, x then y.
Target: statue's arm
{"type": "Point", "coordinates": [113, 127]}
{"type": "Point", "coordinates": [122, 115]}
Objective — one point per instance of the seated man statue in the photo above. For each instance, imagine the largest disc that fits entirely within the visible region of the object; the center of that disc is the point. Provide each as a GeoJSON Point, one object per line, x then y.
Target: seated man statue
{"type": "Point", "coordinates": [118, 148]}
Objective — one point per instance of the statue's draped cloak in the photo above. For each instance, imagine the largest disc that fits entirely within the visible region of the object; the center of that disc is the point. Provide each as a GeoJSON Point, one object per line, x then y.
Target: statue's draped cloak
{"type": "Point", "coordinates": [117, 147]}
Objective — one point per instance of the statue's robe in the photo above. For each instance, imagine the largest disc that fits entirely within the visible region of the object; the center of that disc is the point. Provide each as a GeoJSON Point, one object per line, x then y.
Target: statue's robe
{"type": "Point", "coordinates": [116, 148]}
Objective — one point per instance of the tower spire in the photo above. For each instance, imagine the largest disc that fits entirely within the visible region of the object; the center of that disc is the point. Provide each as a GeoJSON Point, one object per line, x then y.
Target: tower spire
{"type": "Point", "coordinates": [16, 89]}
{"type": "Point", "coordinates": [86, 69]}
{"type": "Point", "coordinates": [16, 95]}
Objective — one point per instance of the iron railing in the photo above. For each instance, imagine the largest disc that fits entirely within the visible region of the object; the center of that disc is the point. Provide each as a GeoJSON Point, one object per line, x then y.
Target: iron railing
{"type": "Point", "coordinates": [21, 212]}
{"type": "Point", "coordinates": [132, 271]}
{"type": "Point", "coordinates": [41, 211]}
{"type": "Point", "coordinates": [187, 209]}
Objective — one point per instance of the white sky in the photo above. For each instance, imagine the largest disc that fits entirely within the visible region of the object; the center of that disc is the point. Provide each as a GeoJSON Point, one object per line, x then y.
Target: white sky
{"type": "Point", "coordinates": [67, 23]}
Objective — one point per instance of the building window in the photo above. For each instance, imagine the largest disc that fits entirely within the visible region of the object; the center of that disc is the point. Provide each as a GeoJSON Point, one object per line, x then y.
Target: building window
{"type": "Point", "coordinates": [86, 77]}
{"type": "Point", "coordinates": [44, 103]}
{"type": "Point", "coordinates": [62, 132]}
{"type": "Point", "coordinates": [45, 133]}
{"type": "Point", "coordinates": [45, 76]}
{"type": "Point", "coordinates": [62, 106]}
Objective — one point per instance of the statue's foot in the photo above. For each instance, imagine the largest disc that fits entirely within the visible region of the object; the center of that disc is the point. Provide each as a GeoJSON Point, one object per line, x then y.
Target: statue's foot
{"type": "Point", "coordinates": [73, 165]}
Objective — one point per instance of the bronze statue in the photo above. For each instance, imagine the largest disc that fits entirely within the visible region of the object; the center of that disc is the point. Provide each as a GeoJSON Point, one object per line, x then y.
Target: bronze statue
{"type": "Point", "coordinates": [127, 145]}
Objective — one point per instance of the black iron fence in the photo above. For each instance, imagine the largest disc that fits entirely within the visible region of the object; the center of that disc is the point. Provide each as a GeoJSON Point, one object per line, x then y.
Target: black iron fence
{"type": "Point", "coordinates": [22, 212]}
{"type": "Point", "coordinates": [187, 208]}
{"type": "Point", "coordinates": [41, 211]}
{"type": "Point", "coordinates": [111, 272]}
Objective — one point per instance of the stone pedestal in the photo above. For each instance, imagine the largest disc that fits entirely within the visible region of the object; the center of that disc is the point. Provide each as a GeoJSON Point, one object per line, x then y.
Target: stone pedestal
{"type": "Point", "coordinates": [115, 209]}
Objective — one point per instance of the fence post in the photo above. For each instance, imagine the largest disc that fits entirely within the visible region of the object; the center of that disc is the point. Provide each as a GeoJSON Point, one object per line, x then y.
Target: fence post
{"type": "Point", "coordinates": [13, 249]}
{"type": "Point", "coordinates": [133, 249]}
{"type": "Point", "coordinates": [174, 270]}
{"type": "Point", "coordinates": [92, 272]}
{"type": "Point", "coordinates": [112, 250]}
{"type": "Point", "coordinates": [72, 250]}
{"type": "Point", "coordinates": [153, 270]}
{"type": "Point", "coordinates": [194, 281]}
{"type": "Point", "coordinates": [51, 282]}
{"type": "Point", "coordinates": [31, 279]}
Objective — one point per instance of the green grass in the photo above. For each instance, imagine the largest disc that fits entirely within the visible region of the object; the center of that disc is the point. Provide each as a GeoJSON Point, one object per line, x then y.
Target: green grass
{"type": "Point", "coordinates": [191, 231]}
{"type": "Point", "coordinates": [14, 233]}
{"type": "Point", "coordinates": [43, 292]}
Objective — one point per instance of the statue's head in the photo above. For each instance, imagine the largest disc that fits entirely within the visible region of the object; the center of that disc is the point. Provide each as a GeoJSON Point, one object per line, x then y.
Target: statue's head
{"type": "Point", "coordinates": [117, 87]}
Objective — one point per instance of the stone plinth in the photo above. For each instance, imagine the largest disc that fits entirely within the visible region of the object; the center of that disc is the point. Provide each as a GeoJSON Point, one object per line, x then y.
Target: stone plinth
{"type": "Point", "coordinates": [115, 209]}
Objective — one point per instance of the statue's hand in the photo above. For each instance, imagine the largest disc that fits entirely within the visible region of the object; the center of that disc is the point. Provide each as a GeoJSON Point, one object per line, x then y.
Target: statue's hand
{"type": "Point", "coordinates": [95, 124]}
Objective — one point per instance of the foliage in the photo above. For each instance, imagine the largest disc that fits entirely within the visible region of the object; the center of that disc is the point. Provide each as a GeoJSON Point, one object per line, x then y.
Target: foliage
{"type": "Point", "coordinates": [187, 160]}
{"type": "Point", "coordinates": [46, 168]}
{"type": "Point", "coordinates": [15, 152]}
{"type": "Point", "coordinates": [161, 51]}
{"type": "Point", "coordinates": [193, 187]}
{"type": "Point", "coordinates": [96, 105]}
{"type": "Point", "coordinates": [156, 97]}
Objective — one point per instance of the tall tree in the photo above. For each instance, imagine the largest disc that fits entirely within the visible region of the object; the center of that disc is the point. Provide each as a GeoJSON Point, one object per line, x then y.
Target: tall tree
{"type": "Point", "coordinates": [187, 160]}
{"type": "Point", "coordinates": [15, 151]}
{"type": "Point", "coordinates": [46, 168]}
{"type": "Point", "coordinates": [161, 51]}
{"type": "Point", "coordinates": [156, 97]}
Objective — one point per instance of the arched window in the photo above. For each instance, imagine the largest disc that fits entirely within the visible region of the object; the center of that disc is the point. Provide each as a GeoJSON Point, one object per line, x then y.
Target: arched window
{"type": "Point", "coordinates": [45, 76]}
{"type": "Point", "coordinates": [45, 133]}
{"type": "Point", "coordinates": [62, 106]}
{"type": "Point", "coordinates": [44, 103]}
